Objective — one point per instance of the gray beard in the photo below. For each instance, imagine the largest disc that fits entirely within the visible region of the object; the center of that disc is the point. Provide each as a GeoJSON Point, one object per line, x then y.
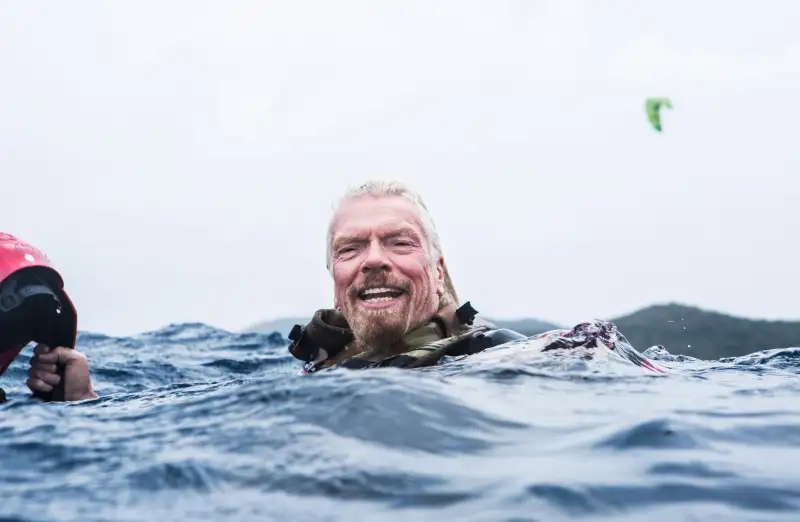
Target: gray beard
{"type": "Point", "coordinates": [379, 333]}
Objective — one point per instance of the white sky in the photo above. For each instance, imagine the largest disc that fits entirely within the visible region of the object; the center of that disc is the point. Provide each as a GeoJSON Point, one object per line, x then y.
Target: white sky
{"type": "Point", "coordinates": [178, 160]}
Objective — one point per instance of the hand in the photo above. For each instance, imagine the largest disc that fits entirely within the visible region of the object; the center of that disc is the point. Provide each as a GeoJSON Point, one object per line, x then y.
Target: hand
{"type": "Point", "coordinates": [43, 376]}
{"type": "Point", "coordinates": [327, 331]}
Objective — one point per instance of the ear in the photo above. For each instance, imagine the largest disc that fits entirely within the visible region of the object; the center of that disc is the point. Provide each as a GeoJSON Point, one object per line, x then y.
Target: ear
{"type": "Point", "coordinates": [440, 276]}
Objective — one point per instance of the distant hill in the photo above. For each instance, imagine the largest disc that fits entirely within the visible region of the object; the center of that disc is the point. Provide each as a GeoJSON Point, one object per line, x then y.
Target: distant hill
{"type": "Point", "coordinates": [281, 325]}
{"type": "Point", "coordinates": [704, 334]}
{"type": "Point", "coordinates": [681, 329]}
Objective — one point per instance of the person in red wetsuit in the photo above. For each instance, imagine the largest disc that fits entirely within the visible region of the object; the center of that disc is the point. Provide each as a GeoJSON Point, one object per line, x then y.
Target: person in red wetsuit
{"type": "Point", "coordinates": [35, 307]}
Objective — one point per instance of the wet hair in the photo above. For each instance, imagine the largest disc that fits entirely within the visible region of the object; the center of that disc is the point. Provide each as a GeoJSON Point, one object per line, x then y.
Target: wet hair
{"type": "Point", "coordinates": [380, 189]}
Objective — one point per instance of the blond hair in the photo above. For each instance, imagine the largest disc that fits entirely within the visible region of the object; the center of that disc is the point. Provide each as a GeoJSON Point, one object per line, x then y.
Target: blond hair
{"type": "Point", "coordinates": [380, 189]}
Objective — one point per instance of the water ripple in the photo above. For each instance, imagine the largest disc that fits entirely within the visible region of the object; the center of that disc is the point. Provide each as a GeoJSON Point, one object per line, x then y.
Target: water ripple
{"type": "Point", "coordinates": [197, 423]}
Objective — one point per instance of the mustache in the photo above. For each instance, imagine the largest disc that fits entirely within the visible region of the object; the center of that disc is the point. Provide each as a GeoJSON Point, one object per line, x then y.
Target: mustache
{"type": "Point", "coordinates": [373, 280]}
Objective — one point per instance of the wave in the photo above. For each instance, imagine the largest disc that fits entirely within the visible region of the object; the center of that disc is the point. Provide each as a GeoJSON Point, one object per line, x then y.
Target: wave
{"type": "Point", "coordinates": [196, 422]}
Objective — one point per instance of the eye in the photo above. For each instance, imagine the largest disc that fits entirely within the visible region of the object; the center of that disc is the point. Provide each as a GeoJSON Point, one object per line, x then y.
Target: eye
{"type": "Point", "coordinates": [403, 243]}
{"type": "Point", "coordinates": [346, 250]}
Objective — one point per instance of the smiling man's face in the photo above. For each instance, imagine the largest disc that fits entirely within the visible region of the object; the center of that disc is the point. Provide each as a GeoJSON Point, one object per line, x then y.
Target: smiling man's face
{"type": "Point", "coordinates": [386, 279]}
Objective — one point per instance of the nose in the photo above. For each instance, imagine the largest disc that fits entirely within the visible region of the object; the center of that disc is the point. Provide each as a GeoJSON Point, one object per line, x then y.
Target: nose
{"type": "Point", "coordinates": [376, 258]}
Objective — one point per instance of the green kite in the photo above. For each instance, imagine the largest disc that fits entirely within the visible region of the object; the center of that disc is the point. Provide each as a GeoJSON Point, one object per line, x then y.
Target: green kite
{"type": "Point", "coordinates": [653, 108]}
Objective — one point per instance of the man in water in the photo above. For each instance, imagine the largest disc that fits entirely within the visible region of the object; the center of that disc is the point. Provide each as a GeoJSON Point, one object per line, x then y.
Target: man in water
{"type": "Point", "coordinates": [394, 301]}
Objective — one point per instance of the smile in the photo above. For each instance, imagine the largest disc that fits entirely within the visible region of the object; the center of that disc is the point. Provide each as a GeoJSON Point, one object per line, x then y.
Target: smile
{"type": "Point", "coordinates": [382, 294]}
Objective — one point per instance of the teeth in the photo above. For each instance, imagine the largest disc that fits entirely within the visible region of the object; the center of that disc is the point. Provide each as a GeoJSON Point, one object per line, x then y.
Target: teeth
{"type": "Point", "coordinates": [378, 291]}
{"type": "Point", "coordinates": [381, 294]}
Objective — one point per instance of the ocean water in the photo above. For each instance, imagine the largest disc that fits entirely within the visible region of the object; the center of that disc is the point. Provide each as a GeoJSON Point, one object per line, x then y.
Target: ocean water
{"type": "Point", "coordinates": [196, 423]}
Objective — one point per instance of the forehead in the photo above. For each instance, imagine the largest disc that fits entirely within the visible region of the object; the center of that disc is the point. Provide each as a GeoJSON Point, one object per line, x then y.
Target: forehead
{"type": "Point", "coordinates": [367, 214]}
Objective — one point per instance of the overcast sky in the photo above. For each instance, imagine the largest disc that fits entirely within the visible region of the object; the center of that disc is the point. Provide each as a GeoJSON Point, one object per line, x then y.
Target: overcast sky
{"type": "Point", "coordinates": [178, 160]}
